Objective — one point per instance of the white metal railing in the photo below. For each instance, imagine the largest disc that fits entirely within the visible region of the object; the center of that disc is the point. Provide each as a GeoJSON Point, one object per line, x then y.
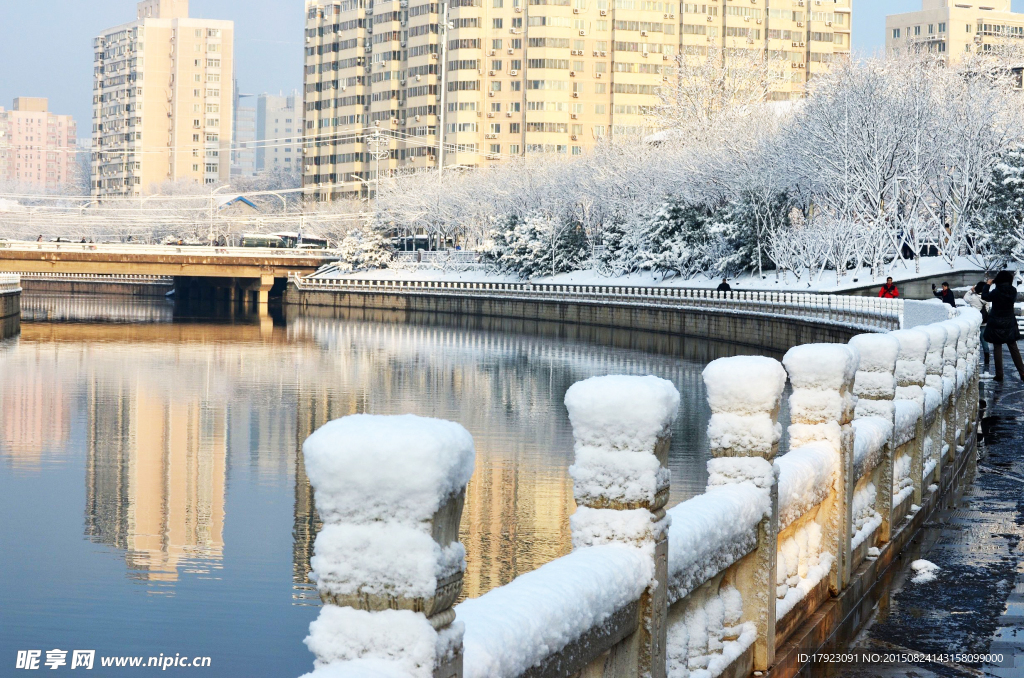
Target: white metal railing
{"type": "Point", "coordinates": [197, 250]}
{"type": "Point", "coordinates": [10, 283]}
{"type": "Point", "coordinates": [857, 312]}
{"type": "Point", "coordinates": [439, 256]}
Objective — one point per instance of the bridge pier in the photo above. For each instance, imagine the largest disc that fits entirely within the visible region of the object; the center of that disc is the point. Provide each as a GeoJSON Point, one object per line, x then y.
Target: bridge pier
{"type": "Point", "coordinates": [251, 291]}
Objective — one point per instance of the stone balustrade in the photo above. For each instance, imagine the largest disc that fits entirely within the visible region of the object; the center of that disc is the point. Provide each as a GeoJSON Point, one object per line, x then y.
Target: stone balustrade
{"type": "Point", "coordinates": [732, 581]}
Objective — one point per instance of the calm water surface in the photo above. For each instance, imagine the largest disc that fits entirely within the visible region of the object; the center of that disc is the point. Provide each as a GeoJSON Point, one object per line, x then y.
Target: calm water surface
{"type": "Point", "coordinates": [152, 485]}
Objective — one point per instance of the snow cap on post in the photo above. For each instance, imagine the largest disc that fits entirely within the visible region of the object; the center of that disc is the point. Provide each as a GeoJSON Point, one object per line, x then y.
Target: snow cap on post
{"type": "Point", "coordinates": [822, 377]}
{"type": "Point", "coordinates": [622, 428]}
{"type": "Point", "coordinates": [910, 368]}
{"type": "Point", "coordinates": [874, 382]}
{"type": "Point", "coordinates": [401, 469]}
{"type": "Point", "coordinates": [745, 393]}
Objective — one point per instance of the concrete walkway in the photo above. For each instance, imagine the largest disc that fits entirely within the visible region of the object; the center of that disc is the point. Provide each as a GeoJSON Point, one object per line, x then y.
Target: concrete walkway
{"type": "Point", "coordinates": [976, 603]}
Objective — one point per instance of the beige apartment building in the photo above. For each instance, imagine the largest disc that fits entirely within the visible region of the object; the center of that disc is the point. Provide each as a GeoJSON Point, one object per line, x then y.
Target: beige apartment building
{"type": "Point", "coordinates": [503, 78]}
{"type": "Point", "coordinates": [37, 147]}
{"type": "Point", "coordinates": [162, 101]}
{"type": "Point", "coordinates": [954, 28]}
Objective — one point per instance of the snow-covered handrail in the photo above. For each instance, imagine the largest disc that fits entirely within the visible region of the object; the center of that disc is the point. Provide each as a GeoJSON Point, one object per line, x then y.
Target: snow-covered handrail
{"type": "Point", "coordinates": [864, 313]}
{"type": "Point", "coordinates": [716, 584]}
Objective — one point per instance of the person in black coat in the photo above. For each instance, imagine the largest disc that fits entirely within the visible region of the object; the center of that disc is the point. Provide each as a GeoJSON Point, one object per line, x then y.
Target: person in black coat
{"type": "Point", "coordinates": [945, 294]}
{"type": "Point", "coordinates": [1002, 320]}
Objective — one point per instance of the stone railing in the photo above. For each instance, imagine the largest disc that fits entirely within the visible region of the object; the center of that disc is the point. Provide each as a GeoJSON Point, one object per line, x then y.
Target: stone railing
{"type": "Point", "coordinates": [101, 278]}
{"type": "Point", "coordinates": [10, 283]}
{"type": "Point", "coordinates": [193, 250]}
{"type": "Point", "coordinates": [863, 313]}
{"type": "Point", "coordinates": [716, 586]}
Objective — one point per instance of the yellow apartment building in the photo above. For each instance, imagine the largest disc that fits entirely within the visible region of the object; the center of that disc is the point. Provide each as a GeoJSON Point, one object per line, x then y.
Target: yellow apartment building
{"type": "Point", "coordinates": [162, 101]}
{"type": "Point", "coordinates": [954, 28]}
{"type": "Point", "coordinates": [502, 78]}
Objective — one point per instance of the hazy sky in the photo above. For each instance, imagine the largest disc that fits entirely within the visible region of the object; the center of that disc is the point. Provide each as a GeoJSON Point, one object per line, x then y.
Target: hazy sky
{"type": "Point", "coordinates": [46, 47]}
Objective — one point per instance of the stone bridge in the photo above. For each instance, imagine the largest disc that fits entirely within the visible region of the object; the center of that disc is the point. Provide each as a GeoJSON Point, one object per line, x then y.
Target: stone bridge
{"type": "Point", "coordinates": [198, 271]}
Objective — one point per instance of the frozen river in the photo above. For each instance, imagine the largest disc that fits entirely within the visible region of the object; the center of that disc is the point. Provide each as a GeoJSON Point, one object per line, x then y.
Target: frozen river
{"type": "Point", "coordinates": [152, 482]}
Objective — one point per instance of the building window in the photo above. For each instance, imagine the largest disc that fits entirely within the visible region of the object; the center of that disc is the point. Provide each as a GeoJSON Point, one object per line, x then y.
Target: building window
{"type": "Point", "coordinates": [495, 149]}
{"type": "Point", "coordinates": [495, 128]}
{"type": "Point", "coordinates": [577, 150]}
{"type": "Point", "coordinates": [917, 30]}
{"type": "Point", "coordinates": [496, 23]}
{"type": "Point", "coordinates": [211, 168]}
{"type": "Point", "coordinates": [895, 33]}
{"type": "Point", "coordinates": [931, 29]}
{"type": "Point", "coordinates": [513, 149]}
{"type": "Point", "coordinates": [514, 128]}
{"type": "Point", "coordinates": [942, 27]}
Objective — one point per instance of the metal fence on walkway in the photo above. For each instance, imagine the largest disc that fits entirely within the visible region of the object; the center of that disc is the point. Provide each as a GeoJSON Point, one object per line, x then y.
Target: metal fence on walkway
{"type": "Point", "coordinates": [856, 312]}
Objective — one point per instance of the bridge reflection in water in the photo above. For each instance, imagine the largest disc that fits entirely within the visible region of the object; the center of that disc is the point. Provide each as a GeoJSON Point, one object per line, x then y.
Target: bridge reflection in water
{"type": "Point", "coordinates": [175, 412]}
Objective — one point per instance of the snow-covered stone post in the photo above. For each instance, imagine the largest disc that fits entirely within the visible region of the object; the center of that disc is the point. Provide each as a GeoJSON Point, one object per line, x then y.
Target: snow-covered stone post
{"type": "Point", "coordinates": [910, 380]}
{"type": "Point", "coordinates": [622, 428]}
{"type": "Point", "coordinates": [388, 563]}
{"type": "Point", "coordinates": [933, 397]}
{"type": "Point", "coordinates": [821, 409]}
{"type": "Point", "coordinates": [949, 388]}
{"type": "Point", "coordinates": [745, 393]}
{"type": "Point", "coordinates": [973, 318]}
{"type": "Point", "coordinates": [875, 388]}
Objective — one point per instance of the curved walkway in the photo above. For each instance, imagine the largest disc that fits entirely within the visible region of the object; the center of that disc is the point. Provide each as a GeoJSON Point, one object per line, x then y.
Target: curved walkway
{"type": "Point", "coordinates": [976, 603]}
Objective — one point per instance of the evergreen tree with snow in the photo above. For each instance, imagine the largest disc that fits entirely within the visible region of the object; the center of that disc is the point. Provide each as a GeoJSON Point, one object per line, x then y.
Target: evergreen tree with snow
{"type": "Point", "coordinates": [681, 239]}
{"type": "Point", "coordinates": [626, 249]}
{"type": "Point", "coordinates": [363, 249]}
{"type": "Point", "coordinates": [1002, 221]}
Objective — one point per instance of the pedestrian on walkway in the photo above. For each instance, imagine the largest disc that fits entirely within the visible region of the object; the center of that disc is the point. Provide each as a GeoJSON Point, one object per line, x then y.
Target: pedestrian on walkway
{"type": "Point", "coordinates": [889, 290]}
{"type": "Point", "coordinates": [945, 294]}
{"type": "Point", "coordinates": [1002, 321]}
{"type": "Point", "coordinates": [724, 286]}
{"type": "Point", "coordinates": [973, 299]}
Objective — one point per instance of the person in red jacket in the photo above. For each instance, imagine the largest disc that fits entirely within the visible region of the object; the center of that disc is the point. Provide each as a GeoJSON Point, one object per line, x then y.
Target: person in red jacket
{"type": "Point", "coordinates": [889, 290]}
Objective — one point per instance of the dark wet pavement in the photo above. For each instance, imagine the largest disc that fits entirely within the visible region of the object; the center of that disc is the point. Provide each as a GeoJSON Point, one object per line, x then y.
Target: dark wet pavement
{"type": "Point", "coordinates": [975, 606]}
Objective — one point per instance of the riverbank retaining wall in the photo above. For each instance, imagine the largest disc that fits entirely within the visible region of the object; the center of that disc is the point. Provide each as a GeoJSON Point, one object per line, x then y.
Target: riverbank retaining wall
{"type": "Point", "coordinates": [761, 330]}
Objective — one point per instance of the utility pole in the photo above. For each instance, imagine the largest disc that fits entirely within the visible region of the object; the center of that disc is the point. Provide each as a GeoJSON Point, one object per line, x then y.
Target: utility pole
{"type": "Point", "coordinates": [379, 148]}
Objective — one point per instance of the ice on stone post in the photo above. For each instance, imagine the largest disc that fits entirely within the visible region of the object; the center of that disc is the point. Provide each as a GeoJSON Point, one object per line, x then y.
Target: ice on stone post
{"type": "Point", "coordinates": [622, 429]}
{"type": "Point", "coordinates": [821, 411]}
{"type": "Point", "coordinates": [875, 388]}
{"type": "Point", "coordinates": [388, 563]}
{"type": "Point", "coordinates": [745, 394]}
{"type": "Point", "coordinates": [910, 398]}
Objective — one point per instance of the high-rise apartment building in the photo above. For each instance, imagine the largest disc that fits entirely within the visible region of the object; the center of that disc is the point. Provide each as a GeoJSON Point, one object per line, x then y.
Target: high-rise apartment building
{"type": "Point", "coordinates": [37, 148]}
{"type": "Point", "coordinates": [502, 78]}
{"type": "Point", "coordinates": [243, 136]}
{"type": "Point", "coordinates": [279, 133]}
{"type": "Point", "coordinates": [162, 100]}
{"type": "Point", "coordinates": [944, 27]}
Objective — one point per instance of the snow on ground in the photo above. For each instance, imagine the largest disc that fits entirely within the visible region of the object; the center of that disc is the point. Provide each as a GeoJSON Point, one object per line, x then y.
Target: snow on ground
{"type": "Point", "coordinates": [930, 266]}
{"type": "Point", "coordinates": [925, 571]}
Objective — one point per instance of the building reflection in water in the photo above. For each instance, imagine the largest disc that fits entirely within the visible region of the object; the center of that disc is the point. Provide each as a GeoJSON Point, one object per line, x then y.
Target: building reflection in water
{"type": "Point", "coordinates": [168, 408]}
{"type": "Point", "coordinates": [155, 478]}
{"type": "Point", "coordinates": [506, 387]}
{"type": "Point", "coordinates": [35, 408]}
